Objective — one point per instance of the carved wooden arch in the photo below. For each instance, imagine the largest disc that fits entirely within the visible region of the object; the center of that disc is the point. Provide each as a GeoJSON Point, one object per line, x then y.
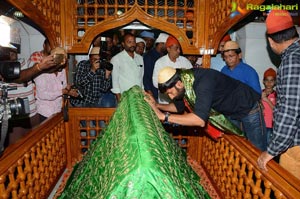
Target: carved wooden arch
{"type": "Point", "coordinates": [45, 14]}
{"type": "Point", "coordinates": [135, 13]}
{"type": "Point", "coordinates": [227, 23]}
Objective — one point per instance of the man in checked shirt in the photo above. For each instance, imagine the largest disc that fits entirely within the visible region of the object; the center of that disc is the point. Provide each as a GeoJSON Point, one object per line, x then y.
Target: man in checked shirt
{"type": "Point", "coordinates": [93, 79]}
{"type": "Point", "coordinates": [284, 41]}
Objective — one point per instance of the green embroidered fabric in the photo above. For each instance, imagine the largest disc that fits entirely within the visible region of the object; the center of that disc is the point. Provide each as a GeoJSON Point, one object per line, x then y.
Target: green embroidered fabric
{"type": "Point", "coordinates": [215, 118]}
{"type": "Point", "coordinates": [135, 158]}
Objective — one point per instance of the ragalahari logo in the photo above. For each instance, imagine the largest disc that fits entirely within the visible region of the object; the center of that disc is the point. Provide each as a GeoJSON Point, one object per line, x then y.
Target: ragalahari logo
{"type": "Point", "coordinates": [236, 10]}
{"type": "Point", "coordinates": [242, 9]}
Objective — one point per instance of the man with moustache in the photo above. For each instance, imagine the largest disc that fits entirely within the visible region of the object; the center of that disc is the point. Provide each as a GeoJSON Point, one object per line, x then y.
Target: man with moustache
{"type": "Point", "coordinates": [173, 59]}
{"type": "Point", "coordinates": [128, 67]}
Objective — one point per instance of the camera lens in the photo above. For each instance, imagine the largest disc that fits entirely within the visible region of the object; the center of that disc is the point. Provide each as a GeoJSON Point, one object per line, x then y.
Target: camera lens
{"type": "Point", "coordinates": [19, 106]}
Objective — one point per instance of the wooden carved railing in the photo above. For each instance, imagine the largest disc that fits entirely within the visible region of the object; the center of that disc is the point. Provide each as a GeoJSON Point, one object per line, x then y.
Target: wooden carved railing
{"type": "Point", "coordinates": [32, 166]}
{"type": "Point", "coordinates": [231, 163]}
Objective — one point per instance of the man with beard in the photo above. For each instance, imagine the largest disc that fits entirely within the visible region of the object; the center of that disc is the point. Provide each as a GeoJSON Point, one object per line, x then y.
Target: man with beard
{"type": "Point", "coordinates": [201, 90]}
{"type": "Point", "coordinates": [128, 67]}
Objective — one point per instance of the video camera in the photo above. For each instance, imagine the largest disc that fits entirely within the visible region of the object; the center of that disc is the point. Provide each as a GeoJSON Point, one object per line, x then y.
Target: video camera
{"type": "Point", "coordinates": [12, 107]}
{"type": "Point", "coordinates": [9, 70]}
{"type": "Point", "coordinates": [20, 106]}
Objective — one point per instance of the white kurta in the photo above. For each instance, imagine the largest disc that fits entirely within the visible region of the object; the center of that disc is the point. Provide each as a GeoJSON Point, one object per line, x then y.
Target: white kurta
{"type": "Point", "coordinates": [127, 71]}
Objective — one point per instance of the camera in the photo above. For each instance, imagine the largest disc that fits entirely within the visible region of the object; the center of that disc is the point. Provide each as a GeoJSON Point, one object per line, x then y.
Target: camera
{"type": "Point", "coordinates": [12, 107]}
{"type": "Point", "coordinates": [10, 69]}
{"type": "Point", "coordinates": [105, 55]}
{"type": "Point", "coordinates": [104, 64]}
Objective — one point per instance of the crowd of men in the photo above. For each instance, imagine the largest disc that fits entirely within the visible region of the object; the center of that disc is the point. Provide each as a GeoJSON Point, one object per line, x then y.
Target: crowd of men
{"type": "Point", "coordinates": [174, 85]}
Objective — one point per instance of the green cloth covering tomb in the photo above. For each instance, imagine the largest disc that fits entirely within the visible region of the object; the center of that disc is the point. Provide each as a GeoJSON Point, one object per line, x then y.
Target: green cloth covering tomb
{"type": "Point", "coordinates": [135, 158]}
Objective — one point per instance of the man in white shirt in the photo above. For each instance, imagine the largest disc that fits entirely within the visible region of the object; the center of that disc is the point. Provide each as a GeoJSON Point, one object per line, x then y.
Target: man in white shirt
{"type": "Point", "coordinates": [172, 59]}
{"type": "Point", "coordinates": [128, 67]}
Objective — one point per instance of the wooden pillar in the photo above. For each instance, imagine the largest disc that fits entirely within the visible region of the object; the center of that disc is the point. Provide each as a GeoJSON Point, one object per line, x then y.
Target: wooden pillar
{"type": "Point", "coordinates": [206, 61]}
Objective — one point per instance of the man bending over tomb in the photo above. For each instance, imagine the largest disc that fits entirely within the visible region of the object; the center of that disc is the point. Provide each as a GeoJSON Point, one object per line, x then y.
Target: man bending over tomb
{"type": "Point", "coordinates": [202, 89]}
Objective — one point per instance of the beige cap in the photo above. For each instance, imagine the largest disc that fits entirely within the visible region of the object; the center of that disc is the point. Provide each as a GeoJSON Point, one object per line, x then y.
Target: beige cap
{"type": "Point", "coordinates": [95, 51]}
{"type": "Point", "coordinates": [231, 45]}
{"type": "Point", "coordinates": [166, 74]}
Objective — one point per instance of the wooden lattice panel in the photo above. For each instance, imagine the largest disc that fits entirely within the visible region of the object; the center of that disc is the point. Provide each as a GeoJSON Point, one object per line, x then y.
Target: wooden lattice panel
{"type": "Point", "coordinates": [215, 20]}
{"type": "Point", "coordinates": [51, 11]}
{"type": "Point", "coordinates": [36, 171]}
{"type": "Point", "coordinates": [177, 12]}
{"type": "Point", "coordinates": [187, 138]}
{"type": "Point", "coordinates": [235, 173]}
{"type": "Point", "coordinates": [87, 124]}
{"type": "Point", "coordinates": [46, 14]}
{"type": "Point", "coordinates": [89, 130]}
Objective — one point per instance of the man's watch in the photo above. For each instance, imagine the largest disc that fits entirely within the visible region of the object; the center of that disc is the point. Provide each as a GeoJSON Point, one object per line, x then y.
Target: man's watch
{"type": "Point", "coordinates": [166, 120]}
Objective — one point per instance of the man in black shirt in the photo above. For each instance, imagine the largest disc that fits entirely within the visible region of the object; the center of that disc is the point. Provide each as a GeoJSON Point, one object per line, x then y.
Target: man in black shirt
{"type": "Point", "coordinates": [206, 89]}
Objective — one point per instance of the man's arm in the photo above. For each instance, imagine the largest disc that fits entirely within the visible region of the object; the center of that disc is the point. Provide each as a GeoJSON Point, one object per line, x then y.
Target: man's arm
{"type": "Point", "coordinates": [189, 119]}
{"type": "Point", "coordinates": [115, 78]}
{"type": "Point", "coordinates": [286, 113]}
{"type": "Point", "coordinates": [38, 68]}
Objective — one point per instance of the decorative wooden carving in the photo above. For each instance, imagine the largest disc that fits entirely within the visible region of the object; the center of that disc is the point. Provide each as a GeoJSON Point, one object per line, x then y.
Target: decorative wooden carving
{"type": "Point", "coordinates": [198, 24]}
{"type": "Point", "coordinates": [31, 168]}
{"type": "Point", "coordinates": [231, 162]}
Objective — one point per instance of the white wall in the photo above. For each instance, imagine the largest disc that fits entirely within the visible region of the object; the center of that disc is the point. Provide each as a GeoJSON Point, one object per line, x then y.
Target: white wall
{"type": "Point", "coordinates": [253, 43]}
{"type": "Point", "coordinates": [31, 39]}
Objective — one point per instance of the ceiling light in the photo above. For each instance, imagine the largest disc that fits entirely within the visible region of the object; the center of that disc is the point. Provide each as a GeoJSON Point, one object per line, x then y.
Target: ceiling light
{"type": "Point", "coordinates": [18, 14]}
{"type": "Point", "coordinates": [136, 26]}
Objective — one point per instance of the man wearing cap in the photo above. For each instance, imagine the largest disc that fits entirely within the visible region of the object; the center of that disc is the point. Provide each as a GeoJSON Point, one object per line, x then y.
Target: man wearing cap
{"type": "Point", "coordinates": [237, 69]}
{"type": "Point", "coordinates": [128, 67]}
{"type": "Point", "coordinates": [94, 82]}
{"type": "Point", "coordinates": [217, 62]}
{"type": "Point", "coordinates": [140, 46]}
{"type": "Point", "coordinates": [148, 38]}
{"type": "Point", "coordinates": [201, 90]}
{"type": "Point", "coordinates": [284, 41]}
{"type": "Point", "coordinates": [173, 59]}
{"type": "Point", "coordinates": [149, 61]}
